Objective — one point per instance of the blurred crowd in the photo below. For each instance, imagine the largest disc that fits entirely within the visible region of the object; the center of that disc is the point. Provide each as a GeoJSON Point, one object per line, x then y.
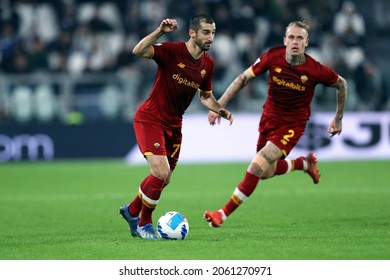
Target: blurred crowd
{"type": "Point", "coordinates": [96, 37]}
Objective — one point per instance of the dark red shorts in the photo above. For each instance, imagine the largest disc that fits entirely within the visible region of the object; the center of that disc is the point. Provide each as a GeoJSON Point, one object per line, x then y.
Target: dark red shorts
{"type": "Point", "coordinates": [284, 135]}
{"type": "Point", "coordinates": [157, 139]}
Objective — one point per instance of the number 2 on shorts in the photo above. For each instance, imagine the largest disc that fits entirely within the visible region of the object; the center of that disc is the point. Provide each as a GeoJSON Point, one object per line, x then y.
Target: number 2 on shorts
{"type": "Point", "coordinates": [286, 137]}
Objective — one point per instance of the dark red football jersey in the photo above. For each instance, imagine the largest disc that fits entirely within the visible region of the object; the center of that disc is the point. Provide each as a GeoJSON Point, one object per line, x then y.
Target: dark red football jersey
{"type": "Point", "coordinates": [291, 88]}
{"type": "Point", "coordinates": [178, 78]}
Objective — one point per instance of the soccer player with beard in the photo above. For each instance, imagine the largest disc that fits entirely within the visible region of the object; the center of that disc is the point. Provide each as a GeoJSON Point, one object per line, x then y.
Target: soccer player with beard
{"type": "Point", "coordinates": [184, 68]}
{"type": "Point", "coordinates": [293, 76]}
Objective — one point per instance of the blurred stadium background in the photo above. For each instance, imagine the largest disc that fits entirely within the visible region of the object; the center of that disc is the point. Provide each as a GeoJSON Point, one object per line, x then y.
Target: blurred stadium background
{"type": "Point", "coordinates": [69, 84]}
{"type": "Point", "coordinates": [69, 87]}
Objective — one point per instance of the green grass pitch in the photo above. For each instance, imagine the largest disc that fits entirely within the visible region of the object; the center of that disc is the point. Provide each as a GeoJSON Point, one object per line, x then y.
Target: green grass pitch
{"type": "Point", "coordinates": [68, 210]}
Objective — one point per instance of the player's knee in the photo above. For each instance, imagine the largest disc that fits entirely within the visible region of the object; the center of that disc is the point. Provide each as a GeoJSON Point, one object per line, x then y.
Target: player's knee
{"type": "Point", "coordinates": [162, 174]}
{"type": "Point", "coordinates": [167, 180]}
{"type": "Point", "coordinates": [269, 173]}
{"type": "Point", "coordinates": [255, 169]}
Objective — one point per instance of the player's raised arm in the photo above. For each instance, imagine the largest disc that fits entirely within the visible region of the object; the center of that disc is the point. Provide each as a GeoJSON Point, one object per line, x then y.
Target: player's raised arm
{"type": "Point", "coordinates": [143, 48]}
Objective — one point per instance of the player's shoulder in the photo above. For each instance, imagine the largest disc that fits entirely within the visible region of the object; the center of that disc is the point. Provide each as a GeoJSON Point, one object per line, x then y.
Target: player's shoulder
{"type": "Point", "coordinates": [274, 55]}
{"type": "Point", "coordinates": [168, 45]}
{"type": "Point", "coordinates": [276, 50]}
{"type": "Point", "coordinates": [312, 61]}
{"type": "Point", "coordinates": [176, 44]}
{"type": "Point", "coordinates": [318, 69]}
{"type": "Point", "coordinates": [168, 49]}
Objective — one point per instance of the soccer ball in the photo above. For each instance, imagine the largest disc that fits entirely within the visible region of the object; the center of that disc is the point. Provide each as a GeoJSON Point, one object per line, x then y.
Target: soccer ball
{"type": "Point", "coordinates": [172, 226]}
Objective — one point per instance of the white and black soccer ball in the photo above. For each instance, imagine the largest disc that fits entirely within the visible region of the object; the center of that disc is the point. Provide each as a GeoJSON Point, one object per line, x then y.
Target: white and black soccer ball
{"type": "Point", "coordinates": [172, 226]}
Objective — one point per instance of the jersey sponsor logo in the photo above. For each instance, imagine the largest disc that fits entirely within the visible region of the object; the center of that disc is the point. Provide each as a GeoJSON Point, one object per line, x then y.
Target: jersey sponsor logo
{"type": "Point", "coordinates": [284, 83]}
{"type": "Point", "coordinates": [184, 81]}
{"type": "Point", "coordinates": [181, 65]}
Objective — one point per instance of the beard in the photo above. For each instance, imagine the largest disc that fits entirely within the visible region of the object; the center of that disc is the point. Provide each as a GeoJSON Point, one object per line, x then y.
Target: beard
{"type": "Point", "coordinates": [204, 46]}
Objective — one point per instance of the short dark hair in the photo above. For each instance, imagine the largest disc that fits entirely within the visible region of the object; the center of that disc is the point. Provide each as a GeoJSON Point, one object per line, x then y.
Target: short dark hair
{"type": "Point", "coordinates": [196, 20]}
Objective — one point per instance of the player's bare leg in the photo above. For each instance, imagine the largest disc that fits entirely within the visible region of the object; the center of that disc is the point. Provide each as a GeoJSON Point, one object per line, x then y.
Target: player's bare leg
{"type": "Point", "coordinates": [261, 162]}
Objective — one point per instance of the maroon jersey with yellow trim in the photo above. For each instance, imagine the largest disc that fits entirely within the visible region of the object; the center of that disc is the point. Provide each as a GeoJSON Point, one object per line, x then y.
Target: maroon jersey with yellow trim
{"type": "Point", "coordinates": [291, 88]}
{"type": "Point", "coordinates": [178, 78]}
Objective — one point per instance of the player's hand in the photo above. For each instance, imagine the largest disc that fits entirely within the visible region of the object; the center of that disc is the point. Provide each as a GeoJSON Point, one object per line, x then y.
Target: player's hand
{"type": "Point", "coordinates": [226, 115]}
{"type": "Point", "coordinates": [168, 25]}
{"type": "Point", "coordinates": [335, 127]}
{"type": "Point", "coordinates": [216, 117]}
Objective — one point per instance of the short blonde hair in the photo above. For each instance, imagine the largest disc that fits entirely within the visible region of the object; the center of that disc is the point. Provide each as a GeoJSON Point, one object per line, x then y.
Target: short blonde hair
{"type": "Point", "coordinates": [301, 24]}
